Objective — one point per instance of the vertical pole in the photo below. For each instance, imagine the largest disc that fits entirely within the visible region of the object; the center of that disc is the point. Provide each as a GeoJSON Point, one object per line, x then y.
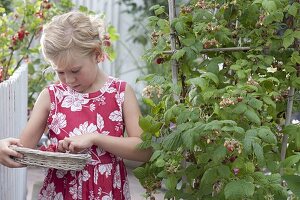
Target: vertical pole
{"type": "Point", "coordinates": [172, 15]}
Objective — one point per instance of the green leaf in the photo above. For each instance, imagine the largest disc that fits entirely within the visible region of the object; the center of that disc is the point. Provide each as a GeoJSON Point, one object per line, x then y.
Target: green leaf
{"type": "Point", "coordinates": [269, 5]}
{"type": "Point", "coordinates": [171, 182]}
{"type": "Point", "coordinates": [252, 116]}
{"type": "Point", "coordinates": [288, 38]}
{"type": "Point", "coordinates": [295, 58]}
{"type": "Point", "coordinates": [259, 153]}
{"type": "Point", "coordinates": [178, 54]}
{"type": "Point", "coordinates": [240, 108]}
{"type": "Point", "coordinates": [291, 160]}
{"type": "Point", "coordinates": [172, 141]}
{"type": "Point", "coordinates": [293, 182]}
{"type": "Point", "coordinates": [269, 101]}
{"type": "Point", "coordinates": [239, 189]}
{"type": "Point", "coordinates": [296, 34]}
{"type": "Point", "coordinates": [202, 83]}
{"type": "Point", "coordinates": [180, 27]}
{"type": "Point", "coordinates": [211, 76]}
{"type": "Point", "coordinates": [293, 9]}
{"type": "Point", "coordinates": [267, 135]}
{"type": "Point", "coordinates": [140, 172]}
{"type": "Point", "coordinates": [255, 103]}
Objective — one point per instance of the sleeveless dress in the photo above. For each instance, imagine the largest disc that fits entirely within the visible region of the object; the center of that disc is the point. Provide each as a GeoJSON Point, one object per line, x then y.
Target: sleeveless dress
{"type": "Point", "coordinates": [73, 113]}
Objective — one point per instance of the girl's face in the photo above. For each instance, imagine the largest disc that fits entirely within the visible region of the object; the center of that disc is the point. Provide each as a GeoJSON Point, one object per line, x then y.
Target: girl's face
{"type": "Point", "coordinates": [80, 73]}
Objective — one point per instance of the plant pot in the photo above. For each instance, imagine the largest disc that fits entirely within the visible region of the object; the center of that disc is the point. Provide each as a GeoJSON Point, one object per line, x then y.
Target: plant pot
{"type": "Point", "coordinates": [13, 117]}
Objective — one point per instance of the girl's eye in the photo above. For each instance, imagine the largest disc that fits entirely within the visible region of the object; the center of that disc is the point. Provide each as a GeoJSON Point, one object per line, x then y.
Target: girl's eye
{"type": "Point", "coordinates": [60, 73]}
{"type": "Point", "coordinates": [75, 71]}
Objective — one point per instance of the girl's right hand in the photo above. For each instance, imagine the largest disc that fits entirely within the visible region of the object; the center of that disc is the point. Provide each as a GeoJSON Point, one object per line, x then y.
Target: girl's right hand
{"type": "Point", "coordinates": [6, 153]}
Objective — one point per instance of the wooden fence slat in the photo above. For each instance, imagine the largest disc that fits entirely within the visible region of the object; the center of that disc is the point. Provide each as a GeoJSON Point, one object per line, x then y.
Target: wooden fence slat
{"type": "Point", "coordinates": [13, 117]}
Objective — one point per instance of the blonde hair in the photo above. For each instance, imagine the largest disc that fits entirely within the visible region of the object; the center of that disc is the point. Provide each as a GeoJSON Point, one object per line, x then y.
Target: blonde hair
{"type": "Point", "coordinates": [69, 33]}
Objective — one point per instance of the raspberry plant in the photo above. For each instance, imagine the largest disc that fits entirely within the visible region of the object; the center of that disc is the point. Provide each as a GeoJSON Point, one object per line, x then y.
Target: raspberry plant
{"type": "Point", "coordinates": [221, 128]}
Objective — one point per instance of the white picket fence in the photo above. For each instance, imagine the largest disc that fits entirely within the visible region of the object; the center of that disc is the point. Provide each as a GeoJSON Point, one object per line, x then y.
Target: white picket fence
{"type": "Point", "coordinates": [13, 117]}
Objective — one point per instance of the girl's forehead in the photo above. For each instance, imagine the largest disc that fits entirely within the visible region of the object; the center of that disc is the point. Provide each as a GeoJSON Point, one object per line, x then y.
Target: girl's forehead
{"type": "Point", "coordinates": [68, 60]}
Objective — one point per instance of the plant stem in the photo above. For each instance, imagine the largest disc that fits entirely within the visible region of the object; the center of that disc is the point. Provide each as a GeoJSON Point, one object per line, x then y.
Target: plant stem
{"type": "Point", "coordinates": [172, 15]}
{"type": "Point", "coordinates": [21, 59]}
{"type": "Point", "coordinates": [227, 49]}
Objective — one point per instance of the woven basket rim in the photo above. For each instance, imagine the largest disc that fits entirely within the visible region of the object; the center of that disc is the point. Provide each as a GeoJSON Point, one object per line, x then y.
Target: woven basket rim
{"type": "Point", "coordinates": [27, 151]}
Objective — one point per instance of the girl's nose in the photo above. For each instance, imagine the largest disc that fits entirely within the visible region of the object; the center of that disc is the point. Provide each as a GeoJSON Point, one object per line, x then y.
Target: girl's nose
{"type": "Point", "coordinates": [70, 79]}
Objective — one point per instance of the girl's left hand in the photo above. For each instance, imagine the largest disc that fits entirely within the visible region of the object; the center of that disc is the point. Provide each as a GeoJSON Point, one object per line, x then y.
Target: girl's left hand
{"type": "Point", "coordinates": [76, 144]}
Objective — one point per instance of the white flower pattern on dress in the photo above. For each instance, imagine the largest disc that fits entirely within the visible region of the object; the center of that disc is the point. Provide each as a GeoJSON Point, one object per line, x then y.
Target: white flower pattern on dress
{"type": "Point", "coordinates": [58, 122]}
{"type": "Point", "coordinates": [100, 122]}
{"type": "Point", "coordinates": [75, 101]}
{"type": "Point", "coordinates": [117, 178]}
{"type": "Point", "coordinates": [48, 193]}
{"type": "Point", "coordinates": [126, 192]}
{"type": "Point", "coordinates": [108, 197]}
{"type": "Point", "coordinates": [105, 169]}
{"type": "Point", "coordinates": [116, 116]}
{"type": "Point", "coordinates": [61, 173]}
{"type": "Point", "coordinates": [59, 196]}
{"type": "Point", "coordinates": [84, 128]}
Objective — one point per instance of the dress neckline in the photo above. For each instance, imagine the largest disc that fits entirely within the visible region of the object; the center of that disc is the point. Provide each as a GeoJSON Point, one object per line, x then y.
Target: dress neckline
{"type": "Point", "coordinates": [97, 93]}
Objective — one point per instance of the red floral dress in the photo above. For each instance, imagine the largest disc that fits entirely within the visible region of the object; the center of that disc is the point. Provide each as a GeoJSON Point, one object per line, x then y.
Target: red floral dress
{"type": "Point", "coordinates": [73, 113]}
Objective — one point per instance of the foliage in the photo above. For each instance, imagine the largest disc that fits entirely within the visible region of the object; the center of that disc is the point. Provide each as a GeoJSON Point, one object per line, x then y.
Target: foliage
{"type": "Point", "coordinates": [222, 138]}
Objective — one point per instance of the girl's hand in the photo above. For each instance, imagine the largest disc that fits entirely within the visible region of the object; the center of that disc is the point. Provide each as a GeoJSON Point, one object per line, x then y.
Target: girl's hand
{"type": "Point", "coordinates": [6, 153]}
{"type": "Point", "coordinates": [76, 144]}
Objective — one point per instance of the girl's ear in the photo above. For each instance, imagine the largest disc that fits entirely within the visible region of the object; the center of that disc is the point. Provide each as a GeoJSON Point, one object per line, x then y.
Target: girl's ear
{"type": "Point", "coordinates": [99, 56]}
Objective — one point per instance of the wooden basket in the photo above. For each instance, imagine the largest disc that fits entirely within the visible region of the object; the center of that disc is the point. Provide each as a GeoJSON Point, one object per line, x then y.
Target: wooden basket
{"type": "Point", "coordinates": [57, 160]}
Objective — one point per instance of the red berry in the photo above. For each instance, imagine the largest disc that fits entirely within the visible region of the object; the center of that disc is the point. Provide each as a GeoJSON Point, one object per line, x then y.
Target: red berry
{"type": "Point", "coordinates": [159, 60]}
{"type": "Point", "coordinates": [106, 43]}
{"type": "Point", "coordinates": [21, 35]}
{"type": "Point", "coordinates": [232, 158]}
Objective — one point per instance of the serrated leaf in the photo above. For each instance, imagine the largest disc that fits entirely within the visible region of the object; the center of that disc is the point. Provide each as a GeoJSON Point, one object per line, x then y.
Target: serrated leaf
{"type": "Point", "coordinates": [259, 153]}
{"type": "Point", "coordinates": [211, 76]}
{"type": "Point", "coordinates": [178, 54]}
{"type": "Point", "coordinates": [255, 103]}
{"type": "Point", "coordinates": [269, 101]}
{"type": "Point", "coordinates": [140, 172]}
{"type": "Point", "coordinates": [171, 182]}
{"type": "Point", "coordinates": [240, 108]}
{"type": "Point", "coordinates": [172, 141]}
{"type": "Point", "coordinates": [180, 27]}
{"type": "Point", "coordinates": [269, 6]}
{"type": "Point", "coordinates": [239, 189]}
{"type": "Point", "coordinates": [293, 9]}
{"type": "Point", "coordinates": [291, 160]}
{"type": "Point", "coordinates": [267, 135]}
{"type": "Point", "coordinates": [288, 38]}
{"type": "Point", "coordinates": [252, 116]}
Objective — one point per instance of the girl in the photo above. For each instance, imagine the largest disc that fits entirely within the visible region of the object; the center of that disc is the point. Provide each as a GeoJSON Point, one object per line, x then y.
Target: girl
{"type": "Point", "coordinates": [87, 111]}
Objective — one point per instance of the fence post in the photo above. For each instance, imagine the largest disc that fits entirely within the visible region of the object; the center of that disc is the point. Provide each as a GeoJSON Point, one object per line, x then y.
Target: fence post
{"type": "Point", "coordinates": [13, 117]}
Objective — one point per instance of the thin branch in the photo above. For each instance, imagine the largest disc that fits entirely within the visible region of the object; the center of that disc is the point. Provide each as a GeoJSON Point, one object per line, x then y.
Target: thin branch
{"type": "Point", "coordinates": [175, 65]}
{"type": "Point", "coordinates": [228, 49]}
{"type": "Point", "coordinates": [21, 59]}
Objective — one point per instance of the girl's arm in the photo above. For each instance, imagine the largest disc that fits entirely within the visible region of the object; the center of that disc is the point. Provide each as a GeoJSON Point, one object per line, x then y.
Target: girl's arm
{"type": "Point", "coordinates": [36, 124]}
{"type": "Point", "coordinates": [125, 147]}
{"type": "Point", "coordinates": [6, 153]}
